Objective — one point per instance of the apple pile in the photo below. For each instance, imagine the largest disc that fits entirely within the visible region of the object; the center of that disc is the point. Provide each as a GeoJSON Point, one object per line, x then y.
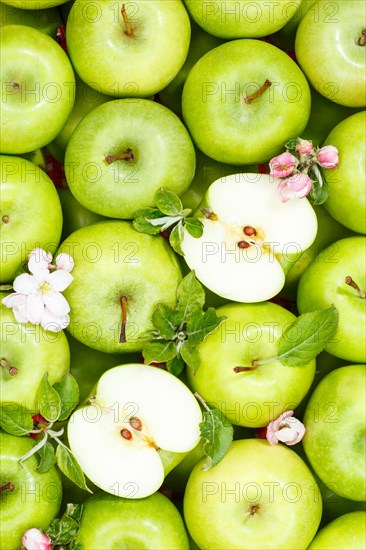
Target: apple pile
{"type": "Point", "coordinates": [182, 274]}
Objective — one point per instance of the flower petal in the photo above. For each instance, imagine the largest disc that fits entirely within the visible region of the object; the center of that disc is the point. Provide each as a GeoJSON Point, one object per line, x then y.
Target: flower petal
{"type": "Point", "coordinates": [39, 259]}
{"type": "Point", "coordinates": [65, 261]}
{"type": "Point", "coordinates": [34, 308]}
{"type": "Point", "coordinates": [56, 303]}
{"type": "Point", "coordinates": [59, 280]}
{"type": "Point", "coordinates": [25, 284]}
{"type": "Point", "coordinates": [20, 314]}
{"type": "Point", "coordinates": [14, 300]}
{"type": "Point", "coordinates": [54, 323]}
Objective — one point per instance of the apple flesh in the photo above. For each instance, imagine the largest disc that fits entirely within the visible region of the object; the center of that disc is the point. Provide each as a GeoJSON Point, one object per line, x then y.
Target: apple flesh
{"type": "Point", "coordinates": [344, 533]}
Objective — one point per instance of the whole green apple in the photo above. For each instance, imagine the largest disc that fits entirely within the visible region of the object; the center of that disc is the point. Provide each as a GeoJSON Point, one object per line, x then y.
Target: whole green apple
{"type": "Point", "coordinates": [45, 20]}
{"type": "Point", "coordinates": [34, 4]}
{"type": "Point", "coordinates": [334, 441]}
{"type": "Point", "coordinates": [74, 214]}
{"type": "Point", "coordinates": [328, 280]}
{"type": "Point", "coordinates": [28, 498]}
{"type": "Point", "coordinates": [344, 533]}
{"type": "Point", "coordinates": [347, 190]}
{"type": "Point", "coordinates": [112, 522]}
{"type": "Point", "coordinates": [248, 86]}
{"type": "Point", "coordinates": [30, 213]}
{"type": "Point", "coordinates": [246, 500]}
{"type": "Point", "coordinates": [37, 89]}
{"type": "Point", "coordinates": [258, 396]}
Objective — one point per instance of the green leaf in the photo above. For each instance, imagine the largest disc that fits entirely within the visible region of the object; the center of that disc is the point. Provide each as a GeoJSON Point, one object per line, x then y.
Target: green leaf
{"type": "Point", "coordinates": [63, 531]}
{"type": "Point", "coordinates": [15, 419]}
{"type": "Point", "coordinates": [194, 227]}
{"type": "Point", "coordinates": [163, 319]}
{"type": "Point", "coordinates": [48, 458]}
{"type": "Point", "coordinates": [201, 324]}
{"type": "Point", "coordinates": [159, 352]}
{"type": "Point", "coordinates": [319, 194]}
{"type": "Point", "coordinates": [176, 365]}
{"type": "Point", "coordinates": [217, 433]}
{"type": "Point", "coordinates": [68, 391]}
{"type": "Point", "coordinates": [191, 356]}
{"type": "Point", "coordinates": [307, 336]}
{"type": "Point", "coordinates": [168, 202]}
{"type": "Point", "coordinates": [48, 400]}
{"type": "Point", "coordinates": [70, 467]}
{"type": "Point", "coordinates": [176, 237]}
{"type": "Point", "coordinates": [190, 296]}
{"type": "Point", "coordinates": [141, 223]}
{"type": "Point", "coordinates": [291, 144]}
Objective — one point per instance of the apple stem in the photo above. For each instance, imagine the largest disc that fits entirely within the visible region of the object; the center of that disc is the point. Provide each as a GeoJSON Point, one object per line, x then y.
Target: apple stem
{"type": "Point", "coordinates": [7, 487]}
{"type": "Point", "coordinates": [250, 98]}
{"type": "Point", "coordinates": [122, 336]}
{"type": "Point", "coordinates": [209, 214]}
{"type": "Point", "coordinates": [350, 282]}
{"type": "Point", "coordinates": [5, 219]}
{"type": "Point", "coordinates": [255, 364]}
{"type": "Point", "coordinates": [202, 401]}
{"type": "Point", "coordinates": [128, 30]}
{"type": "Point", "coordinates": [6, 365]}
{"type": "Point", "coordinates": [362, 39]}
{"type": "Point", "coordinates": [128, 155]}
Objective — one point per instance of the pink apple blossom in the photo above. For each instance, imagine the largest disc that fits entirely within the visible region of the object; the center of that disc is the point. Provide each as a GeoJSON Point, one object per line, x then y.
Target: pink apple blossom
{"type": "Point", "coordinates": [304, 147]}
{"type": "Point", "coordinates": [295, 187]}
{"type": "Point", "coordinates": [328, 157]}
{"type": "Point", "coordinates": [64, 261]}
{"type": "Point", "coordinates": [34, 539]}
{"type": "Point", "coordinates": [283, 165]}
{"type": "Point", "coordinates": [285, 428]}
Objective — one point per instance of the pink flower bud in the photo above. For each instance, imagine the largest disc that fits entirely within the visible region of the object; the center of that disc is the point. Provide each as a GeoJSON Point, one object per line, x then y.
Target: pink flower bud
{"type": "Point", "coordinates": [64, 261]}
{"type": "Point", "coordinates": [285, 428]}
{"type": "Point", "coordinates": [304, 147]}
{"type": "Point", "coordinates": [283, 165]}
{"type": "Point", "coordinates": [34, 539]}
{"type": "Point", "coordinates": [328, 157]}
{"type": "Point", "coordinates": [297, 186]}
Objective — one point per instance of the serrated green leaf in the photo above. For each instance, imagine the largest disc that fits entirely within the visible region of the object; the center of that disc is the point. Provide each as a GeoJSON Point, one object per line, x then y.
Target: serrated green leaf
{"type": "Point", "coordinates": [319, 194]}
{"type": "Point", "coordinates": [164, 320]}
{"type": "Point", "coordinates": [168, 202]}
{"type": "Point", "coordinates": [15, 419]}
{"type": "Point", "coordinates": [217, 433]}
{"type": "Point", "coordinates": [141, 223]}
{"type": "Point", "coordinates": [70, 467]}
{"type": "Point", "coordinates": [201, 324]}
{"type": "Point", "coordinates": [190, 296]}
{"type": "Point", "coordinates": [191, 356]}
{"type": "Point", "coordinates": [176, 237]}
{"type": "Point", "coordinates": [176, 365]}
{"type": "Point", "coordinates": [68, 391]}
{"type": "Point", "coordinates": [159, 352]}
{"type": "Point", "coordinates": [307, 336]}
{"type": "Point", "coordinates": [48, 400]}
{"type": "Point", "coordinates": [47, 458]}
{"type": "Point", "coordinates": [75, 511]}
{"type": "Point", "coordinates": [63, 531]}
{"type": "Point", "coordinates": [194, 227]}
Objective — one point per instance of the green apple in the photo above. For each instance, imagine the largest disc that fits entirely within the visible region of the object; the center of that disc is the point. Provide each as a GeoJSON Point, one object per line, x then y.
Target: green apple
{"type": "Point", "coordinates": [286, 36]}
{"type": "Point", "coordinates": [334, 441]}
{"type": "Point", "coordinates": [243, 18]}
{"type": "Point", "coordinates": [31, 351]}
{"type": "Point", "coordinates": [323, 283]}
{"type": "Point", "coordinates": [45, 20]}
{"type": "Point", "coordinates": [259, 496]}
{"type": "Point", "coordinates": [139, 424]}
{"type": "Point", "coordinates": [347, 198]}
{"type": "Point", "coordinates": [120, 275]}
{"type": "Point", "coordinates": [248, 86]}
{"type": "Point", "coordinates": [334, 505]}
{"type": "Point", "coordinates": [74, 214]}
{"type": "Point", "coordinates": [133, 53]}
{"type": "Point", "coordinates": [330, 49]}
{"type": "Point", "coordinates": [34, 499]}
{"type": "Point", "coordinates": [177, 479]}
{"type": "Point", "coordinates": [344, 533]}
{"type": "Point", "coordinates": [112, 522]}
{"type": "Point", "coordinates": [34, 4]}
{"type": "Point", "coordinates": [258, 396]}
{"type": "Point", "coordinates": [122, 152]}
{"type": "Point", "coordinates": [30, 213]}
{"type": "Point", "coordinates": [250, 237]}
{"type": "Point", "coordinates": [38, 89]}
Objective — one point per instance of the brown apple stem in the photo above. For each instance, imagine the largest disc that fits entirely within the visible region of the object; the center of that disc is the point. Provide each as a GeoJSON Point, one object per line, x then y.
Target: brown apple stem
{"type": "Point", "coordinates": [128, 155]}
{"type": "Point", "coordinates": [7, 487]}
{"type": "Point", "coordinates": [350, 282]}
{"type": "Point", "coordinates": [122, 336]}
{"type": "Point", "coordinates": [128, 29]}
{"type": "Point", "coordinates": [254, 366]}
{"type": "Point", "coordinates": [253, 97]}
{"type": "Point", "coordinates": [362, 39]}
{"type": "Point", "coordinates": [7, 366]}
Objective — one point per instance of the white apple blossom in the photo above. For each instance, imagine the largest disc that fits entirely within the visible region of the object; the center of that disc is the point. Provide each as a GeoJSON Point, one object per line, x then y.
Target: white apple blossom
{"type": "Point", "coordinates": [286, 429]}
{"type": "Point", "coordinates": [34, 539]}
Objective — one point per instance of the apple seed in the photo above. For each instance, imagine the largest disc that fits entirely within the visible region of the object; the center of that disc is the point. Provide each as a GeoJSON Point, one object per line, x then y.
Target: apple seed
{"type": "Point", "coordinates": [136, 423]}
{"type": "Point", "coordinates": [243, 244]}
{"type": "Point", "coordinates": [126, 434]}
{"type": "Point", "coordinates": [249, 231]}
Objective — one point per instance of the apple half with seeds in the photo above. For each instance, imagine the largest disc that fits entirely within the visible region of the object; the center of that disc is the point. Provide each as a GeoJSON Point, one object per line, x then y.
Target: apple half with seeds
{"type": "Point", "coordinates": [141, 422]}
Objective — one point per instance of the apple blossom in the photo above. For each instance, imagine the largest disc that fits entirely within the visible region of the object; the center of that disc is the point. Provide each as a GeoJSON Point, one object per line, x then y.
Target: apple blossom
{"type": "Point", "coordinates": [283, 165]}
{"type": "Point", "coordinates": [34, 539]}
{"type": "Point", "coordinates": [328, 157]}
{"type": "Point", "coordinates": [295, 187]}
{"type": "Point", "coordinates": [64, 261]}
{"type": "Point", "coordinates": [304, 147]}
{"type": "Point", "coordinates": [286, 429]}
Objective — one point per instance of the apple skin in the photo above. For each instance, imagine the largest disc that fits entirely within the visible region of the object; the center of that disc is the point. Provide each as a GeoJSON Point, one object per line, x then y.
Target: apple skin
{"type": "Point", "coordinates": [285, 37]}
{"type": "Point", "coordinates": [344, 533]}
{"type": "Point", "coordinates": [30, 204]}
{"type": "Point", "coordinates": [328, 33]}
{"type": "Point", "coordinates": [241, 19]}
{"type": "Point", "coordinates": [254, 398]}
{"type": "Point", "coordinates": [113, 260]}
{"type": "Point", "coordinates": [335, 428]}
{"type": "Point", "coordinates": [113, 522]}
{"type": "Point", "coordinates": [34, 4]}
{"type": "Point", "coordinates": [36, 499]}
{"type": "Point", "coordinates": [213, 100]}
{"type": "Point", "coordinates": [347, 198]}
{"type": "Point", "coordinates": [74, 214]}
{"type": "Point", "coordinates": [45, 20]}
{"type": "Point", "coordinates": [218, 501]}
{"type": "Point", "coordinates": [323, 284]}
{"type": "Point", "coordinates": [38, 89]}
